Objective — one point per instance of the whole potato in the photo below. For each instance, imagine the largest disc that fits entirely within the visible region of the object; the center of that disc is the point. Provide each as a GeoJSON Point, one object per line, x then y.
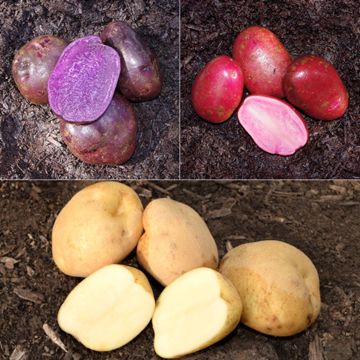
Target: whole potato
{"type": "Point", "coordinates": [176, 240]}
{"type": "Point", "coordinates": [109, 140]}
{"type": "Point", "coordinates": [33, 64]}
{"type": "Point", "coordinates": [217, 89]}
{"type": "Point", "coordinates": [100, 225]}
{"type": "Point", "coordinates": [263, 60]}
{"type": "Point", "coordinates": [278, 285]}
{"type": "Point", "coordinates": [312, 84]}
{"type": "Point", "coordinates": [140, 78]}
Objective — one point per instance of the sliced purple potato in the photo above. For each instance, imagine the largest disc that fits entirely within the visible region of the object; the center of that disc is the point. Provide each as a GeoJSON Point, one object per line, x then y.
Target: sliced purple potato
{"type": "Point", "coordinates": [84, 80]}
{"type": "Point", "coordinates": [109, 140]}
{"type": "Point", "coordinates": [140, 78]}
{"type": "Point", "coordinates": [275, 126]}
{"type": "Point", "coordinates": [33, 64]}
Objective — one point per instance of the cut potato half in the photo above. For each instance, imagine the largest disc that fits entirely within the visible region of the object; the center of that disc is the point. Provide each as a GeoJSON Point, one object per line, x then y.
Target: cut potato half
{"type": "Point", "coordinates": [109, 308]}
{"type": "Point", "coordinates": [196, 310]}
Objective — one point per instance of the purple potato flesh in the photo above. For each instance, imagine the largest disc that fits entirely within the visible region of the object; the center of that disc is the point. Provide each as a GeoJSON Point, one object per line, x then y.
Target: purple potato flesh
{"type": "Point", "coordinates": [140, 78]}
{"type": "Point", "coordinates": [84, 80]}
{"type": "Point", "coordinates": [109, 140]}
{"type": "Point", "coordinates": [33, 64]}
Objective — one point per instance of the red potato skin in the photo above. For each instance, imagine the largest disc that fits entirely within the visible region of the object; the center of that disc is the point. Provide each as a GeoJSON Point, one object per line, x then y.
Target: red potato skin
{"type": "Point", "coordinates": [109, 140]}
{"type": "Point", "coordinates": [313, 85]}
{"type": "Point", "coordinates": [33, 64]}
{"type": "Point", "coordinates": [218, 89]}
{"type": "Point", "coordinates": [263, 60]}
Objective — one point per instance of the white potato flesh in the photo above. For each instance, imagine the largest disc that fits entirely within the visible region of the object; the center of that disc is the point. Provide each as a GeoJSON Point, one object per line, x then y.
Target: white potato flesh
{"type": "Point", "coordinates": [196, 310]}
{"type": "Point", "coordinates": [109, 308]}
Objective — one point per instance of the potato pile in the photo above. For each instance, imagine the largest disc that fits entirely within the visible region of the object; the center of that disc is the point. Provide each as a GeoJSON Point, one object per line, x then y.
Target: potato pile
{"type": "Point", "coordinates": [261, 63]}
{"type": "Point", "coordinates": [79, 80]}
{"type": "Point", "coordinates": [270, 286]}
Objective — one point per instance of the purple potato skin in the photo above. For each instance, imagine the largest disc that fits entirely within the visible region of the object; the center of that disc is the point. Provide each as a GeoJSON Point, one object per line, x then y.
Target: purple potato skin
{"type": "Point", "coordinates": [109, 140]}
{"type": "Point", "coordinates": [33, 64]}
{"type": "Point", "coordinates": [140, 78]}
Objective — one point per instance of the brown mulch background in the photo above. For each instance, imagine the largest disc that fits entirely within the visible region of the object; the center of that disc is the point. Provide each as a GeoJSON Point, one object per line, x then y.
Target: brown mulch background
{"type": "Point", "coordinates": [30, 142]}
{"type": "Point", "coordinates": [328, 28]}
{"type": "Point", "coordinates": [320, 218]}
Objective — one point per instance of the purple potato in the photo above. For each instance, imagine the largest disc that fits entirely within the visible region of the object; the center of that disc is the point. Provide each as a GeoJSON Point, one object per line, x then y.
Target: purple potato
{"type": "Point", "coordinates": [109, 140]}
{"type": "Point", "coordinates": [33, 64]}
{"type": "Point", "coordinates": [84, 80]}
{"type": "Point", "coordinates": [140, 78]}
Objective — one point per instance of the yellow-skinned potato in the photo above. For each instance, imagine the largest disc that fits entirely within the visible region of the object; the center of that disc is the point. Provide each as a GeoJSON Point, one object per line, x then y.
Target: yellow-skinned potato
{"type": "Point", "coordinates": [278, 285]}
{"type": "Point", "coordinates": [195, 311]}
{"type": "Point", "coordinates": [109, 308]}
{"type": "Point", "coordinates": [100, 225]}
{"type": "Point", "coordinates": [176, 240]}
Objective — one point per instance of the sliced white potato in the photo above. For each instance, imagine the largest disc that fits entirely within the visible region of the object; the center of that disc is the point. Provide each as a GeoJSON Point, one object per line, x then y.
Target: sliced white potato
{"type": "Point", "coordinates": [196, 310]}
{"type": "Point", "coordinates": [109, 308]}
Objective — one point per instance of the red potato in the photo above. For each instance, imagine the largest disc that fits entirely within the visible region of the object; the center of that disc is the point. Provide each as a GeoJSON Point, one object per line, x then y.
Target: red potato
{"type": "Point", "coordinates": [314, 86]}
{"type": "Point", "coordinates": [33, 64]}
{"type": "Point", "coordinates": [263, 60]}
{"type": "Point", "coordinates": [109, 140]}
{"type": "Point", "coordinates": [217, 89]}
{"type": "Point", "coordinates": [274, 125]}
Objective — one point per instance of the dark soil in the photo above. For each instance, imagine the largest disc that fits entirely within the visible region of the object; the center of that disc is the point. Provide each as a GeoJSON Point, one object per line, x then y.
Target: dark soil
{"type": "Point", "coordinates": [30, 142]}
{"type": "Point", "coordinates": [320, 218]}
{"type": "Point", "coordinates": [328, 28]}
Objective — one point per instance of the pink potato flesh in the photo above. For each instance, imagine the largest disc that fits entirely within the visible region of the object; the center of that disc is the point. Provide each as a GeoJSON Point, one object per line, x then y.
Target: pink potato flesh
{"type": "Point", "coordinates": [273, 124]}
{"type": "Point", "coordinates": [83, 82]}
{"type": "Point", "coordinates": [263, 60]}
{"type": "Point", "coordinates": [109, 140]}
{"type": "Point", "coordinates": [33, 64]}
{"type": "Point", "coordinates": [313, 85]}
{"type": "Point", "coordinates": [217, 89]}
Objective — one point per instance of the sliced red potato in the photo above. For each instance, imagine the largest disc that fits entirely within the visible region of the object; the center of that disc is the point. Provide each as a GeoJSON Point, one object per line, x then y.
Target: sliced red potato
{"type": "Point", "coordinates": [109, 308]}
{"type": "Point", "coordinates": [195, 311]}
{"type": "Point", "coordinates": [274, 125]}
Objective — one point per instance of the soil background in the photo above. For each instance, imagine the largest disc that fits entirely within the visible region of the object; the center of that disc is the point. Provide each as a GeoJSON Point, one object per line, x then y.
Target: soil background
{"type": "Point", "coordinates": [328, 28]}
{"type": "Point", "coordinates": [30, 141]}
{"type": "Point", "coordinates": [320, 218]}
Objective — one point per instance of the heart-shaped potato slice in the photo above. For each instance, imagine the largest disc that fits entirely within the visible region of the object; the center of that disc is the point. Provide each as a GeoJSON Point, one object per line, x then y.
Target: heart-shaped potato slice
{"type": "Point", "coordinates": [196, 310]}
{"type": "Point", "coordinates": [109, 308]}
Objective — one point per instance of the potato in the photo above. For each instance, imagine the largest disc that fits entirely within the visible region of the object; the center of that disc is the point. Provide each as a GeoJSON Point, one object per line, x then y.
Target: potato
{"type": "Point", "coordinates": [274, 125]}
{"type": "Point", "coordinates": [109, 308]}
{"type": "Point", "coordinates": [83, 82]}
{"type": "Point", "coordinates": [100, 225]}
{"type": "Point", "coordinates": [263, 60]}
{"type": "Point", "coordinates": [217, 89]}
{"type": "Point", "coordinates": [33, 64]}
{"type": "Point", "coordinates": [140, 78]}
{"type": "Point", "coordinates": [278, 286]}
{"type": "Point", "coordinates": [109, 140]}
{"type": "Point", "coordinates": [176, 240]}
{"type": "Point", "coordinates": [195, 311]}
{"type": "Point", "coordinates": [313, 85]}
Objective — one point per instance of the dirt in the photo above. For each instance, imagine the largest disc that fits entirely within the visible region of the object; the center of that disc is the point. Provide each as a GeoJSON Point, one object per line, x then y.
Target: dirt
{"type": "Point", "coordinates": [320, 218]}
{"type": "Point", "coordinates": [328, 28]}
{"type": "Point", "coordinates": [30, 141]}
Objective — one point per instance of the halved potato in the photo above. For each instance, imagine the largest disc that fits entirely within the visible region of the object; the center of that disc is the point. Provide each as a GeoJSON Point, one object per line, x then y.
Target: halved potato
{"type": "Point", "coordinates": [100, 225]}
{"type": "Point", "coordinates": [196, 310]}
{"type": "Point", "coordinates": [109, 308]}
{"type": "Point", "coordinates": [278, 285]}
{"type": "Point", "coordinates": [176, 240]}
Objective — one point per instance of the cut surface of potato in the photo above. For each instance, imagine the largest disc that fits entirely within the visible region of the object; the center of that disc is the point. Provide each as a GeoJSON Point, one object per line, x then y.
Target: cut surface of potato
{"type": "Point", "coordinates": [176, 240]}
{"type": "Point", "coordinates": [196, 310]}
{"type": "Point", "coordinates": [278, 285]}
{"type": "Point", "coordinates": [99, 226]}
{"type": "Point", "coordinates": [109, 308]}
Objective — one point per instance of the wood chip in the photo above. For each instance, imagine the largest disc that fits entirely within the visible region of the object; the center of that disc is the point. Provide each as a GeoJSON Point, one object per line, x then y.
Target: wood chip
{"type": "Point", "coordinates": [18, 354]}
{"type": "Point", "coordinates": [9, 262]}
{"type": "Point", "coordinates": [315, 349]}
{"type": "Point", "coordinates": [219, 213]}
{"type": "Point", "coordinates": [158, 188]}
{"type": "Point", "coordinates": [54, 337]}
{"type": "Point", "coordinates": [228, 246]}
{"type": "Point", "coordinates": [29, 295]}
